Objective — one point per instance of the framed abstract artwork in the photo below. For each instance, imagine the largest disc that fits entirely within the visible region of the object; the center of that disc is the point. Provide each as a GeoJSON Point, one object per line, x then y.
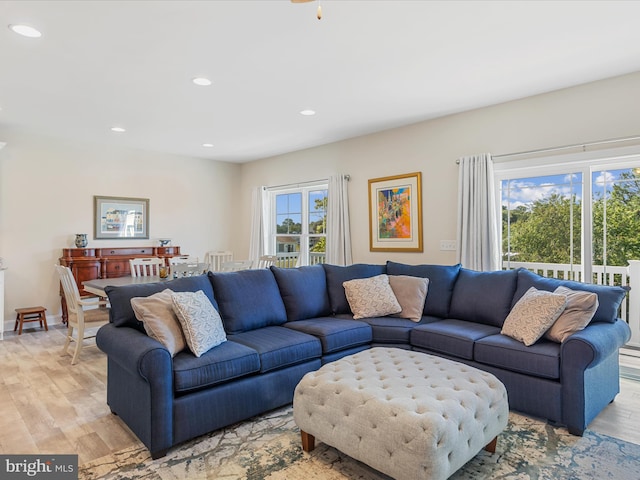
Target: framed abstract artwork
{"type": "Point", "coordinates": [120, 217]}
{"type": "Point", "coordinates": [395, 213]}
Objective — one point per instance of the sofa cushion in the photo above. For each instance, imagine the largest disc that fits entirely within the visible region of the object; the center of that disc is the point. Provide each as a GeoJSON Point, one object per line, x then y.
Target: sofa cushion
{"type": "Point", "coordinates": [533, 315]}
{"type": "Point", "coordinates": [541, 359]}
{"type": "Point", "coordinates": [483, 297]}
{"type": "Point", "coordinates": [159, 320]}
{"type": "Point", "coordinates": [303, 291]}
{"type": "Point", "coordinates": [122, 315]}
{"type": "Point", "coordinates": [337, 275]}
{"type": "Point", "coordinates": [279, 347]}
{"type": "Point", "coordinates": [581, 306]}
{"type": "Point", "coordinates": [609, 298]}
{"type": "Point", "coordinates": [371, 297]}
{"type": "Point", "coordinates": [442, 278]}
{"type": "Point", "coordinates": [411, 293]}
{"type": "Point", "coordinates": [227, 361]}
{"type": "Point", "coordinates": [390, 330]}
{"type": "Point", "coordinates": [334, 334]}
{"type": "Point", "coordinates": [248, 299]}
{"type": "Point", "coordinates": [200, 322]}
{"type": "Point", "coordinates": [451, 337]}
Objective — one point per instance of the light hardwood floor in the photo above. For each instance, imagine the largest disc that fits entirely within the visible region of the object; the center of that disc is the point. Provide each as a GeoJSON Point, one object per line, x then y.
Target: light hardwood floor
{"type": "Point", "coordinates": [49, 406]}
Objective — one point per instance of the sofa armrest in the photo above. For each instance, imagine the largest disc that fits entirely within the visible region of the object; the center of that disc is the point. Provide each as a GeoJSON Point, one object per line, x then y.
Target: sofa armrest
{"type": "Point", "coordinates": [140, 384]}
{"type": "Point", "coordinates": [589, 347]}
{"type": "Point", "coordinates": [590, 372]}
{"type": "Point", "coordinates": [135, 352]}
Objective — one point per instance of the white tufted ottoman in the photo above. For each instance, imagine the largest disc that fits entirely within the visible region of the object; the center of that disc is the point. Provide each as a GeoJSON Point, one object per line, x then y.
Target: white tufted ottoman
{"type": "Point", "coordinates": [407, 414]}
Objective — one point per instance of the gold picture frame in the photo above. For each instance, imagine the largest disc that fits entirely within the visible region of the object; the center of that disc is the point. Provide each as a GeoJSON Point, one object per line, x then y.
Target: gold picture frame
{"type": "Point", "coordinates": [395, 213]}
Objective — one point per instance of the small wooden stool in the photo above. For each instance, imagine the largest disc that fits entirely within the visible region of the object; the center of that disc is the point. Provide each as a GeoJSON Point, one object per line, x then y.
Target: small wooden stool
{"type": "Point", "coordinates": [30, 314]}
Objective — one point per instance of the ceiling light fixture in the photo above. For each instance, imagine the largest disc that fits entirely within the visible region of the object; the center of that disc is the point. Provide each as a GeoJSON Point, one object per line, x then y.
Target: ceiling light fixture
{"type": "Point", "coordinates": [202, 81]}
{"type": "Point", "coordinates": [318, 12]}
{"type": "Point", "coordinates": [26, 31]}
{"type": "Point", "coordinates": [207, 145]}
{"type": "Point", "coordinates": [118, 129]}
{"type": "Point", "coordinates": [308, 112]}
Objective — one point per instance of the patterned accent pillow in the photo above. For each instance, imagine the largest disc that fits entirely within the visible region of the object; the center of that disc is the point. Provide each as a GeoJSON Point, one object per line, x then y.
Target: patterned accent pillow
{"type": "Point", "coordinates": [534, 313]}
{"type": "Point", "coordinates": [581, 307]}
{"type": "Point", "coordinates": [201, 322]}
{"type": "Point", "coordinates": [159, 320]}
{"type": "Point", "coordinates": [371, 297]}
{"type": "Point", "coordinates": [411, 293]}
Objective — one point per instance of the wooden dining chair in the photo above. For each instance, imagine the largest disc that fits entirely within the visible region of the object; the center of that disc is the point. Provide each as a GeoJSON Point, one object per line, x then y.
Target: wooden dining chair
{"type": "Point", "coordinates": [144, 267]}
{"type": "Point", "coordinates": [77, 317]}
{"type": "Point", "coordinates": [265, 261]}
{"type": "Point", "coordinates": [215, 259]}
{"type": "Point", "coordinates": [182, 259]}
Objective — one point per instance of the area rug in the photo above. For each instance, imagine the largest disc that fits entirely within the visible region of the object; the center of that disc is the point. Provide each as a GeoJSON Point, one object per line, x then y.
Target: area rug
{"type": "Point", "coordinates": [268, 447]}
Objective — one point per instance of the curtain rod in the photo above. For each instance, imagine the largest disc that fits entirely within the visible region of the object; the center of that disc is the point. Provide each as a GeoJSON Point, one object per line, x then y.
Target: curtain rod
{"type": "Point", "coordinates": [565, 147]}
{"type": "Point", "coordinates": [301, 184]}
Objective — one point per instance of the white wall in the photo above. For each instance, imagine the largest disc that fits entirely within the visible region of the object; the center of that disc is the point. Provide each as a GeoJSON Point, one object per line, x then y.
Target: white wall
{"type": "Point", "coordinates": [595, 111]}
{"type": "Point", "coordinates": [46, 197]}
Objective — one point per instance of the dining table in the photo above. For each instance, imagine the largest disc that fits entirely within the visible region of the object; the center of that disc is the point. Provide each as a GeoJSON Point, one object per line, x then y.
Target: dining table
{"type": "Point", "coordinates": [97, 285]}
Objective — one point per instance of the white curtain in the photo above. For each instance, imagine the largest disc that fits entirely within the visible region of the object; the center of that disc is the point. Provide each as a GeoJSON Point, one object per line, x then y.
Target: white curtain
{"type": "Point", "coordinates": [257, 242]}
{"type": "Point", "coordinates": [338, 249]}
{"type": "Point", "coordinates": [478, 247]}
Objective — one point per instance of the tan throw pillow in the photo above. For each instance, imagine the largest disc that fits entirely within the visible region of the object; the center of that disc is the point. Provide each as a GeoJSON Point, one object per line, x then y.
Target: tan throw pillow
{"type": "Point", "coordinates": [371, 297]}
{"type": "Point", "coordinates": [159, 321]}
{"type": "Point", "coordinates": [532, 315]}
{"type": "Point", "coordinates": [411, 293]}
{"type": "Point", "coordinates": [201, 322]}
{"type": "Point", "coordinates": [581, 307]}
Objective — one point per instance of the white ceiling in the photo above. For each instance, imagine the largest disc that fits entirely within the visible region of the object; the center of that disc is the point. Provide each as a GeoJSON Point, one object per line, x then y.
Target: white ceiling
{"type": "Point", "coordinates": [368, 65]}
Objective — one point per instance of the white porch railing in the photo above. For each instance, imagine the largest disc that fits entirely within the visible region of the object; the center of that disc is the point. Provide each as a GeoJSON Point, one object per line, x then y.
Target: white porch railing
{"type": "Point", "coordinates": [620, 276]}
{"type": "Point", "coordinates": [290, 260]}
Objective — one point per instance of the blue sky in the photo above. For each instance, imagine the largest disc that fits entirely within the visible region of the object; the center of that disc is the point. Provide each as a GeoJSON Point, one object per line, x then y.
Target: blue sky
{"type": "Point", "coordinates": [525, 191]}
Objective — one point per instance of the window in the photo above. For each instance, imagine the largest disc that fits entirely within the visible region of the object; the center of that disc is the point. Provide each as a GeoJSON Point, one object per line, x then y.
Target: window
{"type": "Point", "coordinates": [572, 217]}
{"type": "Point", "coordinates": [298, 226]}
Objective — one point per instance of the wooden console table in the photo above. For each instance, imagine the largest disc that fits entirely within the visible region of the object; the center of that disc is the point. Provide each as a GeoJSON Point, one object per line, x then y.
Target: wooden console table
{"type": "Point", "coordinates": [91, 263]}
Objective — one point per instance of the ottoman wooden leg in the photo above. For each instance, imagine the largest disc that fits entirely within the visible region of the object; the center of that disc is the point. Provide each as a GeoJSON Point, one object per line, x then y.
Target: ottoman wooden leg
{"type": "Point", "coordinates": [308, 441]}
{"type": "Point", "coordinates": [491, 446]}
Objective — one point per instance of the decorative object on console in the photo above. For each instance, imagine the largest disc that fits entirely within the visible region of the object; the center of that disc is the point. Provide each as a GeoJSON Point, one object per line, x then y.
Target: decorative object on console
{"type": "Point", "coordinates": [395, 213]}
{"type": "Point", "coordinates": [164, 242]}
{"type": "Point", "coordinates": [120, 217]}
{"type": "Point", "coordinates": [81, 240]}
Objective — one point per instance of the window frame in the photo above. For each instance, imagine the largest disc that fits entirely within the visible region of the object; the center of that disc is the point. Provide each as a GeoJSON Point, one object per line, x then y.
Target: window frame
{"type": "Point", "coordinates": [583, 162]}
{"type": "Point", "coordinates": [305, 236]}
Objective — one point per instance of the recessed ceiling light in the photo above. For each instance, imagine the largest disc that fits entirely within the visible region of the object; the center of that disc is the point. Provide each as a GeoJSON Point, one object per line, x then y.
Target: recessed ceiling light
{"type": "Point", "coordinates": [26, 31]}
{"type": "Point", "coordinates": [308, 112]}
{"type": "Point", "coordinates": [118, 129]}
{"type": "Point", "coordinates": [202, 81]}
{"type": "Point", "coordinates": [207, 145]}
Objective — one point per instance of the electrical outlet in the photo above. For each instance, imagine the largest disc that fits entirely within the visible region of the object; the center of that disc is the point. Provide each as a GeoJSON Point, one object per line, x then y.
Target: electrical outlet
{"type": "Point", "coordinates": [448, 245]}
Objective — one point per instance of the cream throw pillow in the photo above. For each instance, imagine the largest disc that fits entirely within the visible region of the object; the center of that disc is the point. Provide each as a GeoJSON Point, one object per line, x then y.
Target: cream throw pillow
{"type": "Point", "coordinates": [201, 322]}
{"type": "Point", "coordinates": [411, 293]}
{"type": "Point", "coordinates": [371, 297]}
{"type": "Point", "coordinates": [532, 315]}
{"type": "Point", "coordinates": [581, 307]}
{"type": "Point", "coordinates": [159, 321]}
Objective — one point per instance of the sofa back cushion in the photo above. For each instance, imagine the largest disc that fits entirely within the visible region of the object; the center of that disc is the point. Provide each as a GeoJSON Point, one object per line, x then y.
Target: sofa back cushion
{"type": "Point", "coordinates": [122, 314]}
{"type": "Point", "coordinates": [248, 299]}
{"type": "Point", "coordinates": [303, 291]}
{"type": "Point", "coordinates": [337, 275]}
{"type": "Point", "coordinates": [442, 279]}
{"type": "Point", "coordinates": [609, 298]}
{"type": "Point", "coordinates": [483, 297]}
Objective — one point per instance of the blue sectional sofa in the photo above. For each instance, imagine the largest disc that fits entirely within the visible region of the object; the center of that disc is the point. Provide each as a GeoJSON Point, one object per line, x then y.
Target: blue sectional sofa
{"type": "Point", "coordinates": [283, 323]}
